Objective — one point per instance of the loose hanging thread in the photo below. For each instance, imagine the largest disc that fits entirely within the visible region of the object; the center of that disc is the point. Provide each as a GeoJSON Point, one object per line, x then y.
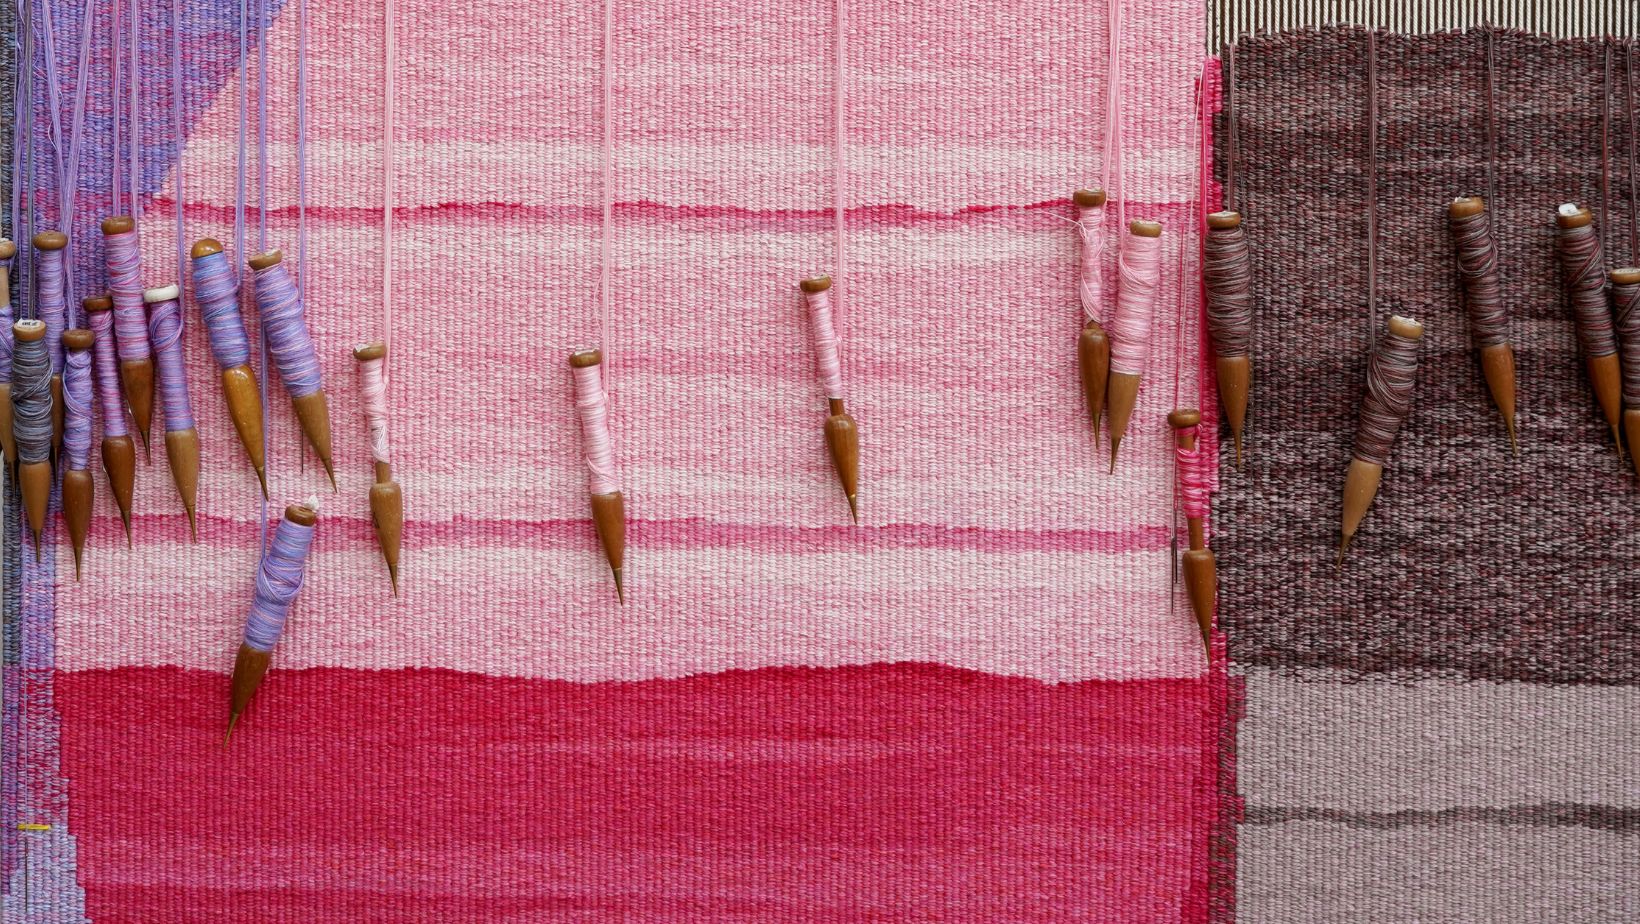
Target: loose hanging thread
{"type": "Point", "coordinates": [31, 392]}
{"type": "Point", "coordinates": [122, 256]}
{"type": "Point", "coordinates": [1583, 273]}
{"type": "Point", "coordinates": [1392, 372]}
{"type": "Point", "coordinates": [386, 498]}
{"type": "Point", "coordinates": [279, 579]}
{"type": "Point", "coordinates": [77, 414]}
{"type": "Point", "coordinates": [181, 435]}
{"type": "Point", "coordinates": [1139, 262]}
{"type": "Point", "coordinates": [603, 478]}
{"type": "Point", "coordinates": [119, 451]}
{"type": "Point", "coordinates": [216, 289]}
{"type": "Point", "coordinates": [289, 343]}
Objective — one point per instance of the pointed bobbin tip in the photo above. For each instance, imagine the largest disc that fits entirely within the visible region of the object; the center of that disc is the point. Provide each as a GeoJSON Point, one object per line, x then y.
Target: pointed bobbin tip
{"type": "Point", "coordinates": [581, 359]}
{"type": "Point", "coordinates": [1089, 198]}
{"type": "Point", "coordinates": [393, 577]}
{"type": "Point", "coordinates": [815, 284]}
{"type": "Point", "coordinates": [204, 247]}
{"type": "Point", "coordinates": [1466, 206]}
{"type": "Point", "coordinates": [118, 224]}
{"type": "Point", "coordinates": [7, 248]}
{"type": "Point", "coordinates": [620, 586]}
{"type": "Point", "coordinates": [233, 719]}
{"type": "Point", "coordinates": [1224, 221]}
{"type": "Point", "coordinates": [1115, 444]}
{"type": "Point", "coordinates": [266, 259]}
{"type": "Point", "coordinates": [50, 240]}
{"type": "Point", "coordinates": [854, 508]}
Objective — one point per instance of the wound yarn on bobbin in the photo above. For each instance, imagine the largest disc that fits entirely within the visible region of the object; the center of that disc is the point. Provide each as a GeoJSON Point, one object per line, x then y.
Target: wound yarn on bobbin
{"type": "Point", "coordinates": [1477, 248]}
{"type": "Point", "coordinates": [31, 392]}
{"type": "Point", "coordinates": [279, 579]}
{"type": "Point", "coordinates": [842, 433]}
{"type": "Point", "coordinates": [598, 447]}
{"type": "Point", "coordinates": [290, 344]}
{"type": "Point", "coordinates": [386, 498]}
{"type": "Point", "coordinates": [122, 257]}
{"type": "Point", "coordinates": [1200, 566]}
{"type": "Point", "coordinates": [216, 290]}
{"type": "Point", "coordinates": [1583, 273]}
{"type": "Point", "coordinates": [181, 436]}
{"type": "Point", "coordinates": [1392, 373]}
{"type": "Point", "coordinates": [1625, 294]}
{"type": "Point", "coordinates": [1093, 343]}
{"type": "Point", "coordinates": [77, 414]}
{"type": "Point", "coordinates": [1139, 265]}
{"type": "Point", "coordinates": [1227, 283]}
{"type": "Point", "coordinates": [51, 290]}
{"type": "Point", "coordinates": [119, 452]}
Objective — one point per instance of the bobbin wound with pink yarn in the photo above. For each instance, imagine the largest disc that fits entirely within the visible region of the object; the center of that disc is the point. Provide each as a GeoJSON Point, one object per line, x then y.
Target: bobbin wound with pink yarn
{"type": "Point", "coordinates": [386, 498]}
{"type": "Point", "coordinates": [1139, 265]}
{"type": "Point", "coordinates": [842, 433]}
{"type": "Point", "coordinates": [598, 446]}
{"type": "Point", "coordinates": [1200, 566]}
{"type": "Point", "coordinates": [1092, 344]}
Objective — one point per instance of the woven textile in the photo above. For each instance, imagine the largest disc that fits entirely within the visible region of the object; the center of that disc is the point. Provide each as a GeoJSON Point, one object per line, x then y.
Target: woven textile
{"type": "Point", "coordinates": [982, 703]}
{"type": "Point", "coordinates": [1445, 728]}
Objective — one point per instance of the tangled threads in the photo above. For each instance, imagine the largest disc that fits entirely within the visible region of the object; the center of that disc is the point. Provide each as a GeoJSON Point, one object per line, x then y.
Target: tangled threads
{"type": "Point", "coordinates": [107, 373]}
{"type": "Point", "coordinates": [1140, 265]}
{"type": "Point", "coordinates": [51, 288]}
{"type": "Point", "coordinates": [122, 256]}
{"type": "Point", "coordinates": [165, 330]}
{"type": "Point", "coordinates": [373, 396]}
{"type": "Point", "coordinates": [1193, 492]}
{"type": "Point", "coordinates": [1478, 268]}
{"type": "Point", "coordinates": [31, 394]}
{"type": "Point", "coordinates": [284, 323]}
{"type": "Point", "coordinates": [1626, 320]}
{"type": "Point", "coordinates": [1578, 244]}
{"type": "Point", "coordinates": [592, 404]}
{"type": "Point", "coordinates": [828, 349]}
{"type": "Point", "coordinates": [77, 404]}
{"type": "Point", "coordinates": [1391, 374]}
{"type": "Point", "coordinates": [1090, 230]}
{"type": "Point", "coordinates": [1227, 275]}
{"type": "Point", "coordinates": [216, 289]}
{"type": "Point", "coordinates": [278, 581]}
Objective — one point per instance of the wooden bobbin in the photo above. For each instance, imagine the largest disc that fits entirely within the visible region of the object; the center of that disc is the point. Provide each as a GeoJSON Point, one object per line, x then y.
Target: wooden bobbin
{"type": "Point", "coordinates": [1122, 393]}
{"type": "Point", "coordinates": [1089, 198]}
{"type": "Point", "coordinates": [1497, 360]}
{"type": "Point", "coordinates": [608, 510]}
{"type": "Point", "coordinates": [1201, 579]}
{"type": "Point", "coordinates": [34, 478]}
{"type": "Point", "coordinates": [311, 410]}
{"type": "Point", "coordinates": [181, 446]}
{"type": "Point", "coordinates": [1093, 344]}
{"type": "Point", "coordinates": [242, 394]}
{"type": "Point", "coordinates": [1361, 482]}
{"type": "Point", "coordinates": [1605, 372]}
{"type": "Point", "coordinates": [386, 498]}
{"type": "Point", "coordinates": [8, 443]}
{"type": "Point", "coordinates": [137, 375]}
{"type": "Point", "coordinates": [54, 240]}
{"type": "Point", "coordinates": [251, 665]}
{"type": "Point", "coordinates": [77, 482]}
{"type": "Point", "coordinates": [842, 433]}
{"type": "Point", "coordinates": [1233, 373]}
{"type": "Point", "coordinates": [1628, 276]}
{"type": "Point", "coordinates": [119, 453]}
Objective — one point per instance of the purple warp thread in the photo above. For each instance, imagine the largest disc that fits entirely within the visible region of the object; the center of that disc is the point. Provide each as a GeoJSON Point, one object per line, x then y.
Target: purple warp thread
{"type": "Point", "coordinates": [123, 258]}
{"type": "Point", "coordinates": [52, 301]}
{"type": "Point", "coordinates": [165, 328]}
{"type": "Point", "coordinates": [278, 581]}
{"type": "Point", "coordinates": [216, 289]}
{"type": "Point", "coordinates": [1626, 315]}
{"type": "Point", "coordinates": [31, 397]}
{"type": "Point", "coordinates": [108, 373]}
{"type": "Point", "coordinates": [284, 327]}
{"type": "Point", "coordinates": [77, 408]}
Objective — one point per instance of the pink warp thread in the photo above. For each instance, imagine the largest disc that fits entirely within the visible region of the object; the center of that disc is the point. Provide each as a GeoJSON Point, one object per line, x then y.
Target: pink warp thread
{"type": "Point", "coordinates": [1140, 267]}
{"type": "Point", "coordinates": [373, 397]}
{"type": "Point", "coordinates": [1192, 475]}
{"type": "Point", "coordinates": [828, 357]}
{"type": "Point", "coordinates": [1090, 228]}
{"type": "Point", "coordinates": [593, 405]}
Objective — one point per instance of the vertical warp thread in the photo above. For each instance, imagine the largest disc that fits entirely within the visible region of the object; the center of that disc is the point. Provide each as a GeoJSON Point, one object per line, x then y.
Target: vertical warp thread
{"type": "Point", "coordinates": [1372, 185]}
{"type": "Point", "coordinates": [1626, 320]}
{"type": "Point", "coordinates": [177, 136]}
{"type": "Point", "coordinates": [31, 397]}
{"type": "Point", "coordinates": [1090, 231]}
{"type": "Point", "coordinates": [592, 403]}
{"type": "Point", "coordinates": [373, 397]}
{"type": "Point", "coordinates": [828, 358]}
{"type": "Point", "coordinates": [1477, 249]}
{"type": "Point", "coordinates": [278, 581]}
{"type": "Point", "coordinates": [77, 409]}
{"type": "Point", "coordinates": [1392, 370]}
{"type": "Point", "coordinates": [108, 373]}
{"type": "Point", "coordinates": [1583, 269]}
{"type": "Point", "coordinates": [165, 327]}
{"type": "Point", "coordinates": [1232, 140]}
{"type": "Point", "coordinates": [1227, 278]}
{"type": "Point", "coordinates": [285, 330]}
{"type": "Point", "coordinates": [7, 345]}
{"type": "Point", "coordinates": [50, 279]}
{"type": "Point", "coordinates": [216, 289]}
{"type": "Point", "coordinates": [1139, 263]}
{"type": "Point", "coordinates": [1193, 494]}
{"type": "Point", "coordinates": [122, 257]}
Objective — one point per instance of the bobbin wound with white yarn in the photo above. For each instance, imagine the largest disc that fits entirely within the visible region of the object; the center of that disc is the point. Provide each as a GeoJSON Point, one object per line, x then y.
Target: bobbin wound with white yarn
{"type": "Point", "coordinates": [386, 498]}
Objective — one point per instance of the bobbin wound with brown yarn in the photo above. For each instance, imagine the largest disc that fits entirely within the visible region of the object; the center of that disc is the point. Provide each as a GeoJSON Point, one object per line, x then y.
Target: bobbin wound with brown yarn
{"type": "Point", "coordinates": [842, 433]}
{"type": "Point", "coordinates": [1122, 394]}
{"type": "Point", "coordinates": [1477, 248]}
{"type": "Point", "coordinates": [1227, 279]}
{"type": "Point", "coordinates": [608, 507]}
{"type": "Point", "coordinates": [1625, 294]}
{"type": "Point", "coordinates": [1093, 344]}
{"type": "Point", "coordinates": [1584, 275]}
{"type": "Point", "coordinates": [119, 452]}
{"type": "Point", "coordinates": [386, 498]}
{"type": "Point", "coordinates": [242, 394]}
{"type": "Point", "coordinates": [1201, 570]}
{"type": "Point", "coordinates": [8, 443]}
{"type": "Point", "coordinates": [78, 486]}
{"type": "Point", "coordinates": [1391, 374]}
{"type": "Point", "coordinates": [54, 240]}
{"type": "Point", "coordinates": [136, 375]}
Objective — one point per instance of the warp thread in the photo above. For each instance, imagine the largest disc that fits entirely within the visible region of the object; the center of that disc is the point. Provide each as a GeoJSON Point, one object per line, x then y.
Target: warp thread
{"type": "Point", "coordinates": [278, 581]}
{"type": "Point", "coordinates": [284, 325]}
{"type": "Point", "coordinates": [828, 352]}
{"type": "Point", "coordinates": [1477, 248]}
{"type": "Point", "coordinates": [1140, 266]}
{"type": "Point", "coordinates": [165, 329]}
{"type": "Point", "coordinates": [31, 396]}
{"type": "Point", "coordinates": [7, 344]}
{"type": "Point", "coordinates": [122, 256]}
{"type": "Point", "coordinates": [592, 403]}
{"type": "Point", "coordinates": [1227, 277]}
{"type": "Point", "coordinates": [1626, 321]}
{"type": "Point", "coordinates": [216, 289]}
{"type": "Point", "coordinates": [108, 373]}
{"type": "Point", "coordinates": [51, 281]}
{"type": "Point", "coordinates": [1582, 268]}
{"type": "Point", "coordinates": [1392, 371]}
{"type": "Point", "coordinates": [373, 398]}
{"type": "Point", "coordinates": [1193, 492]}
{"type": "Point", "coordinates": [77, 409]}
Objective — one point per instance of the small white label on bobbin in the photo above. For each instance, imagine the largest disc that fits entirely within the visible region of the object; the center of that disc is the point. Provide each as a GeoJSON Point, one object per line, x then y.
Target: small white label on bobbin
{"type": "Point", "coordinates": [161, 294]}
{"type": "Point", "coordinates": [1569, 209]}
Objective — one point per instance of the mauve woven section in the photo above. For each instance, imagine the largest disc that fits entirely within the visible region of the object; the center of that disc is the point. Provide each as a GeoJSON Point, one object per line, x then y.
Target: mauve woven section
{"type": "Point", "coordinates": [1470, 562]}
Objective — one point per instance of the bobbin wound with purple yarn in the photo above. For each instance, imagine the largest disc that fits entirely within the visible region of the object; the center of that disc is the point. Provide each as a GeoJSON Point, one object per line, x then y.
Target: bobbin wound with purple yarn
{"type": "Point", "coordinates": [216, 290]}
{"type": "Point", "coordinates": [51, 291]}
{"type": "Point", "coordinates": [1392, 372]}
{"type": "Point", "coordinates": [165, 330]}
{"type": "Point", "coordinates": [122, 256]}
{"type": "Point", "coordinates": [77, 411]}
{"type": "Point", "coordinates": [284, 322]}
{"type": "Point", "coordinates": [31, 395]}
{"type": "Point", "coordinates": [278, 581]}
{"type": "Point", "coordinates": [107, 368]}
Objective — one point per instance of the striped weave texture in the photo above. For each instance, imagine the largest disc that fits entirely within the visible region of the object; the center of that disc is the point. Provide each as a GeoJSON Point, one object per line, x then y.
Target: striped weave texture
{"type": "Point", "coordinates": [1444, 728]}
